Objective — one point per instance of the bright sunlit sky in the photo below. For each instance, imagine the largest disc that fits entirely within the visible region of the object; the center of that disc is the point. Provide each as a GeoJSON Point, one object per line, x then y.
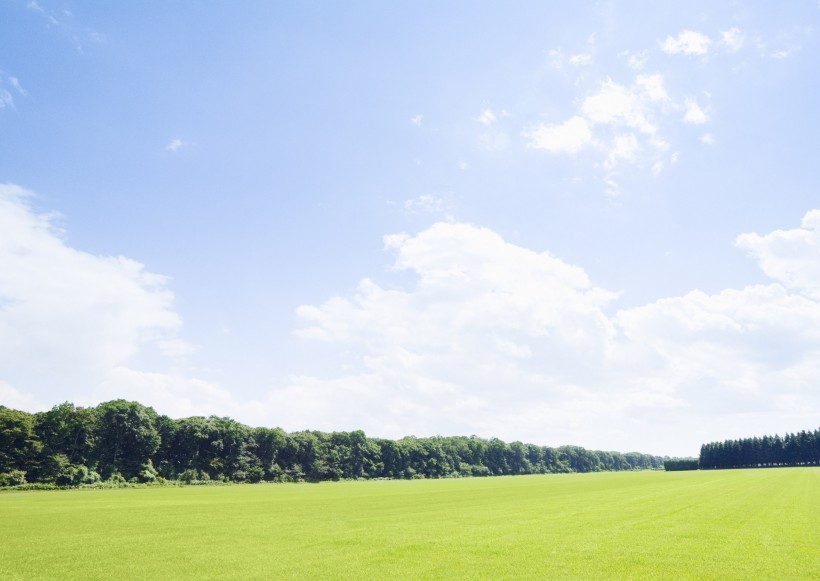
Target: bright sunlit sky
{"type": "Point", "coordinates": [590, 223]}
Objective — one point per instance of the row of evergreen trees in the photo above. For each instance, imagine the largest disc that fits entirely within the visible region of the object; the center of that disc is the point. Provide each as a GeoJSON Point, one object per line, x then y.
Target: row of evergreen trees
{"type": "Point", "coordinates": [800, 449]}
{"type": "Point", "coordinates": [122, 441]}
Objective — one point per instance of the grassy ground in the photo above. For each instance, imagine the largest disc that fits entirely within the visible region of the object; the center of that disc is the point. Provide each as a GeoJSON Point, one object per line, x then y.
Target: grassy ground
{"type": "Point", "coordinates": [733, 524]}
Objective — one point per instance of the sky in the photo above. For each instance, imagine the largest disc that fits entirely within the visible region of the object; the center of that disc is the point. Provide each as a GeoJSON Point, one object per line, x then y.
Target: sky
{"type": "Point", "coordinates": [588, 223]}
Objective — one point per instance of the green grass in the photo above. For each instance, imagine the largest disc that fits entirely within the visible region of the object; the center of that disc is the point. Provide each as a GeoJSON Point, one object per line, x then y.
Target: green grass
{"type": "Point", "coordinates": [733, 524]}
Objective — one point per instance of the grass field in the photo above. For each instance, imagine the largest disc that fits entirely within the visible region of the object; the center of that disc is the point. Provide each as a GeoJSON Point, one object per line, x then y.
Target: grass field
{"type": "Point", "coordinates": [732, 524]}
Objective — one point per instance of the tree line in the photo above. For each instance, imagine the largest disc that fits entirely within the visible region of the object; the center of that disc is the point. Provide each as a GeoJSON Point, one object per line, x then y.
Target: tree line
{"type": "Point", "coordinates": [678, 464]}
{"type": "Point", "coordinates": [123, 441]}
{"type": "Point", "coordinates": [799, 449]}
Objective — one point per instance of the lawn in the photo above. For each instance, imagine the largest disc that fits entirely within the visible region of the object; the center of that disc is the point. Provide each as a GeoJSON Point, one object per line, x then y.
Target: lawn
{"type": "Point", "coordinates": [731, 524]}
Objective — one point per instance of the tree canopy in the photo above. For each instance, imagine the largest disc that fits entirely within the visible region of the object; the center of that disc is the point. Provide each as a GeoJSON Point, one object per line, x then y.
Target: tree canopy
{"type": "Point", "coordinates": [123, 441]}
{"type": "Point", "coordinates": [798, 449]}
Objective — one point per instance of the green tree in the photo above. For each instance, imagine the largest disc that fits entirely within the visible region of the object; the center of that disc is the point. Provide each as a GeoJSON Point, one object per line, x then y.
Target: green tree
{"type": "Point", "coordinates": [268, 445]}
{"type": "Point", "coordinates": [66, 433]}
{"type": "Point", "coordinates": [126, 437]}
{"type": "Point", "coordinates": [19, 446]}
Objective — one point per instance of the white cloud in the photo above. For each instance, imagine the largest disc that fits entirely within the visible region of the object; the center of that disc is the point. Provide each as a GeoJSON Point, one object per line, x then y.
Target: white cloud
{"type": "Point", "coordinates": [174, 145]}
{"type": "Point", "coordinates": [740, 351]}
{"type": "Point", "coordinates": [426, 204]}
{"type": "Point", "coordinates": [694, 114]}
{"type": "Point", "coordinates": [487, 117]}
{"type": "Point", "coordinates": [707, 138]}
{"type": "Point", "coordinates": [624, 148]}
{"type": "Point", "coordinates": [653, 87]}
{"type": "Point", "coordinates": [782, 53]}
{"type": "Point", "coordinates": [490, 338]}
{"type": "Point", "coordinates": [417, 120]}
{"type": "Point", "coordinates": [6, 100]}
{"type": "Point", "coordinates": [733, 39]}
{"type": "Point", "coordinates": [15, 399]}
{"type": "Point", "coordinates": [496, 339]}
{"type": "Point", "coordinates": [18, 87]}
{"type": "Point", "coordinates": [172, 394]}
{"type": "Point", "coordinates": [73, 322]}
{"type": "Point", "coordinates": [620, 121]}
{"type": "Point", "coordinates": [616, 104]}
{"type": "Point", "coordinates": [569, 137]}
{"type": "Point", "coordinates": [612, 190]}
{"type": "Point", "coordinates": [791, 257]}
{"type": "Point", "coordinates": [111, 304]}
{"type": "Point", "coordinates": [494, 140]}
{"type": "Point", "coordinates": [556, 58]}
{"type": "Point", "coordinates": [687, 42]}
{"type": "Point", "coordinates": [62, 21]}
{"type": "Point", "coordinates": [482, 324]}
{"type": "Point", "coordinates": [637, 60]}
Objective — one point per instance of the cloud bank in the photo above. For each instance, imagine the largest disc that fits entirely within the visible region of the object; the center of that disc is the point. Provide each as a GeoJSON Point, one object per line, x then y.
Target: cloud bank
{"type": "Point", "coordinates": [496, 339]}
{"type": "Point", "coordinates": [488, 338]}
{"type": "Point", "coordinates": [73, 323]}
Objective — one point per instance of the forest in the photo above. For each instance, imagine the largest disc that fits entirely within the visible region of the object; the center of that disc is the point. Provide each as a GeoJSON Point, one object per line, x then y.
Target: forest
{"type": "Point", "coordinates": [799, 449]}
{"type": "Point", "coordinates": [122, 441]}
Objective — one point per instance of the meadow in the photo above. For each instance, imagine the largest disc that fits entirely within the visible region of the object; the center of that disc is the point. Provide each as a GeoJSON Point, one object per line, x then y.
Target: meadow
{"type": "Point", "coordinates": [723, 524]}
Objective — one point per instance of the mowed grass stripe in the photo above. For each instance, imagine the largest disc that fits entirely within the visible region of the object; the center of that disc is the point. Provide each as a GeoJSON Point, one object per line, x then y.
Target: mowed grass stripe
{"type": "Point", "coordinates": [750, 524]}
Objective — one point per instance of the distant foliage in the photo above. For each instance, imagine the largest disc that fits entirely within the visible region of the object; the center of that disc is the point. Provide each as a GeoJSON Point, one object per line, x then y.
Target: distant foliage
{"type": "Point", "coordinates": [800, 449]}
{"type": "Point", "coordinates": [123, 443]}
{"type": "Point", "coordinates": [678, 464]}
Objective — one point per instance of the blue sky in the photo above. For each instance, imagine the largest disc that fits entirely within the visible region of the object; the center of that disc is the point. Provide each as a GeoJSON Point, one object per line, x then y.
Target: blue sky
{"type": "Point", "coordinates": [590, 223]}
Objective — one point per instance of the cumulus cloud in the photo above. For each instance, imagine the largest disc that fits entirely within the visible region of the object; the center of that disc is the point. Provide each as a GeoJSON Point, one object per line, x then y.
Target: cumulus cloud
{"type": "Point", "coordinates": [487, 337]}
{"type": "Point", "coordinates": [568, 137]}
{"type": "Point", "coordinates": [694, 114]}
{"type": "Point", "coordinates": [625, 148]}
{"type": "Point", "coordinates": [619, 105]}
{"type": "Point", "coordinates": [496, 339]}
{"type": "Point", "coordinates": [792, 257]}
{"type": "Point", "coordinates": [733, 39]}
{"type": "Point", "coordinates": [652, 87]}
{"type": "Point", "coordinates": [171, 393]}
{"type": "Point", "coordinates": [741, 351]}
{"type": "Point", "coordinates": [487, 117]}
{"type": "Point", "coordinates": [632, 106]}
{"type": "Point", "coordinates": [604, 120]}
{"type": "Point", "coordinates": [620, 122]}
{"type": "Point", "coordinates": [71, 321]}
{"type": "Point", "coordinates": [49, 288]}
{"type": "Point", "coordinates": [482, 322]}
{"type": "Point", "coordinates": [15, 399]}
{"type": "Point", "coordinates": [687, 42]}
